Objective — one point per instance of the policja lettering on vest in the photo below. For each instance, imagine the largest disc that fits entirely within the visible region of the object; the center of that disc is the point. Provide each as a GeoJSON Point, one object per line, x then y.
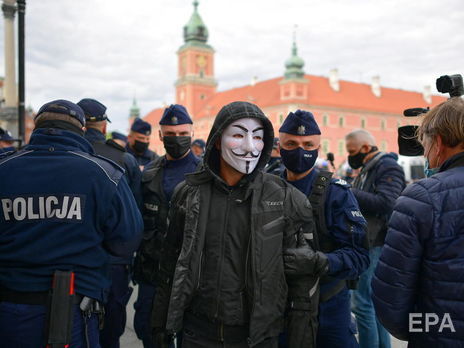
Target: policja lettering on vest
{"type": "Point", "coordinates": [66, 207]}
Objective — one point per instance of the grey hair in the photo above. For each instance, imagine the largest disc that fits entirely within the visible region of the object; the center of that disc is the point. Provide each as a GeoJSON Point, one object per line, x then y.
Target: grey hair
{"type": "Point", "coordinates": [361, 136]}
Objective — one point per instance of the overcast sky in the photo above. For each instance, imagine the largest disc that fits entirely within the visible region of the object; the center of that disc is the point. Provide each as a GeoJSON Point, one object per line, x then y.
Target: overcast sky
{"type": "Point", "coordinates": [112, 50]}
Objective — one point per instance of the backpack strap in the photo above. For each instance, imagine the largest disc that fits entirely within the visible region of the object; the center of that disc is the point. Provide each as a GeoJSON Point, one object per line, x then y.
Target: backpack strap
{"type": "Point", "coordinates": [317, 199]}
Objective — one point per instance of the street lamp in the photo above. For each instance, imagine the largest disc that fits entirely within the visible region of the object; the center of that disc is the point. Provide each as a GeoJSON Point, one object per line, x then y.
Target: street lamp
{"type": "Point", "coordinates": [21, 77]}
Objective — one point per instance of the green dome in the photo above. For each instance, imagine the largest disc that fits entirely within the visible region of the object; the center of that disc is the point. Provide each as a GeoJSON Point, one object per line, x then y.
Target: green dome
{"type": "Point", "coordinates": [195, 29]}
{"type": "Point", "coordinates": [294, 65]}
{"type": "Point", "coordinates": [134, 110]}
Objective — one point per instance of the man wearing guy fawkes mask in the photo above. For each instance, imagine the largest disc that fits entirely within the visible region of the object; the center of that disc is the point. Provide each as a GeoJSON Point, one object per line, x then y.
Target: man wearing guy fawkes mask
{"type": "Point", "coordinates": [158, 182]}
{"type": "Point", "coordinates": [223, 279]}
{"type": "Point", "coordinates": [340, 228]}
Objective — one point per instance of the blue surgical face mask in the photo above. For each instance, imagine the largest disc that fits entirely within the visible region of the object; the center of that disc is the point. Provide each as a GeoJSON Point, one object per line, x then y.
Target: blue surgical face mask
{"type": "Point", "coordinates": [429, 171]}
{"type": "Point", "coordinates": [298, 160]}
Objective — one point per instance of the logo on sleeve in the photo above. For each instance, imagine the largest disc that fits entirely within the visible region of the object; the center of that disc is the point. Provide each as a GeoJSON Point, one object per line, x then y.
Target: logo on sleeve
{"type": "Point", "coordinates": [66, 208]}
{"type": "Point", "coordinates": [356, 213]}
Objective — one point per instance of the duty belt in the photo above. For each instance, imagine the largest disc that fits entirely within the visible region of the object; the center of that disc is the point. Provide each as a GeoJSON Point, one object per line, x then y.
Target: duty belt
{"type": "Point", "coordinates": [30, 298]}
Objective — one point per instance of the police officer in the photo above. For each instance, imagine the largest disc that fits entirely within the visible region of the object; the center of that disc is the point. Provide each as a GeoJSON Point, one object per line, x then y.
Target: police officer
{"type": "Point", "coordinates": [119, 139]}
{"type": "Point", "coordinates": [198, 147]}
{"type": "Point", "coordinates": [159, 180]}
{"type": "Point", "coordinates": [138, 141]}
{"type": "Point", "coordinates": [62, 208]}
{"type": "Point", "coordinates": [120, 291]}
{"type": "Point", "coordinates": [340, 226]}
{"type": "Point", "coordinates": [275, 166]}
{"type": "Point", "coordinates": [6, 141]}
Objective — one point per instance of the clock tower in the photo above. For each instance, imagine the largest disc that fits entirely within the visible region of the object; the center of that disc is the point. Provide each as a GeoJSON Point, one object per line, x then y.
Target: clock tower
{"type": "Point", "coordinates": [195, 83]}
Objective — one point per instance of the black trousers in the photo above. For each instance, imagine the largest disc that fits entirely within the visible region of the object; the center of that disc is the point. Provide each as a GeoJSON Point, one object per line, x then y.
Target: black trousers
{"type": "Point", "coordinates": [196, 340]}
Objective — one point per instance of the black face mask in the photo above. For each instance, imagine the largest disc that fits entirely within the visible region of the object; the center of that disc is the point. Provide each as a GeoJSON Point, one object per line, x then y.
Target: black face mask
{"type": "Point", "coordinates": [177, 146]}
{"type": "Point", "coordinates": [298, 160]}
{"type": "Point", "coordinates": [140, 147]}
{"type": "Point", "coordinates": [357, 161]}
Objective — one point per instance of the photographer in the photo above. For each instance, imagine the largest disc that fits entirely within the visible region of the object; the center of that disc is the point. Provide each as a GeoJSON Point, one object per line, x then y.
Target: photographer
{"type": "Point", "coordinates": [418, 284]}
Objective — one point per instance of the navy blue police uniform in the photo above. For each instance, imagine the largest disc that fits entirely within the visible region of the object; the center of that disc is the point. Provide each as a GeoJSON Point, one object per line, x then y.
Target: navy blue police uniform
{"type": "Point", "coordinates": [158, 183]}
{"type": "Point", "coordinates": [120, 290]}
{"type": "Point", "coordinates": [342, 238]}
{"type": "Point", "coordinates": [144, 156]}
{"type": "Point", "coordinates": [5, 135]}
{"type": "Point", "coordinates": [62, 208]}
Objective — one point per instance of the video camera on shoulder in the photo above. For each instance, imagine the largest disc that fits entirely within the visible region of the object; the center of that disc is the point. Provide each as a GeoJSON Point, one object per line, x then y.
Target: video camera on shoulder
{"type": "Point", "coordinates": [407, 135]}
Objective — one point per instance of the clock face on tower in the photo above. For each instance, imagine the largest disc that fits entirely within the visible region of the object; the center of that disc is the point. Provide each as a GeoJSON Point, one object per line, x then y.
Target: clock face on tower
{"type": "Point", "coordinates": [201, 61]}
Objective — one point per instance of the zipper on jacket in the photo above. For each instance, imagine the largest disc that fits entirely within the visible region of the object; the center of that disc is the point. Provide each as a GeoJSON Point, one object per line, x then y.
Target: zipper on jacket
{"type": "Point", "coordinates": [221, 332]}
{"type": "Point", "coordinates": [199, 269]}
{"type": "Point", "coordinates": [221, 261]}
{"type": "Point", "coordinates": [246, 262]}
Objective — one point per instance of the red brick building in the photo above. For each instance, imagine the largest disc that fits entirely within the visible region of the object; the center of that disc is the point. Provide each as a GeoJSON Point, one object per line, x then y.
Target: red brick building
{"type": "Point", "coordinates": [339, 106]}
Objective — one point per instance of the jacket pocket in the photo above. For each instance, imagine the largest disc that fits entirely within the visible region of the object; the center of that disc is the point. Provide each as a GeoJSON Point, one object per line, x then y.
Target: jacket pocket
{"type": "Point", "coordinates": [271, 242]}
{"type": "Point", "coordinates": [274, 226]}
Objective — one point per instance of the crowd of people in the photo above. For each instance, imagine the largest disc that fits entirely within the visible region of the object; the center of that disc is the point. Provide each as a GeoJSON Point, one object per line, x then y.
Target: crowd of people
{"type": "Point", "coordinates": [239, 241]}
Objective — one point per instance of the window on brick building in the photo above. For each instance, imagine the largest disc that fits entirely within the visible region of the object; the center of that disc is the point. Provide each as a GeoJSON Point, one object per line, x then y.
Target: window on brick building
{"type": "Point", "coordinates": [383, 124]}
{"type": "Point", "coordinates": [363, 123]}
{"type": "Point", "coordinates": [341, 121]}
{"type": "Point", "coordinates": [341, 147]}
{"type": "Point", "coordinates": [325, 146]}
{"type": "Point", "coordinates": [325, 120]}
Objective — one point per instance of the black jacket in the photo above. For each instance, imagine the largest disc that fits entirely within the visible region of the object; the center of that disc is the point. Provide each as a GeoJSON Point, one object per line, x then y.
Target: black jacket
{"type": "Point", "coordinates": [279, 216]}
{"type": "Point", "coordinates": [377, 187]}
{"type": "Point", "coordinates": [155, 216]}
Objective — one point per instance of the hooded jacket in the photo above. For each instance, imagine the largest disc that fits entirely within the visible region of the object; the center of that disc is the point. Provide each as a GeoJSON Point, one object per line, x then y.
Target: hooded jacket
{"type": "Point", "coordinates": [279, 216]}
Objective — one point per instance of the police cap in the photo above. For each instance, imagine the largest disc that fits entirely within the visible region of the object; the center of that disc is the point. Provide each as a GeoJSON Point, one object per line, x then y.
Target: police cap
{"type": "Point", "coordinates": [94, 110]}
{"type": "Point", "coordinates": [200, 143]}
{"type": "Point", "coordinates": [300, 123]}
{"type": "Point", "coordinates": [174, 115]}
{"type": "Point", "coordinates": [5, 135]}
{"type": "Point", "coordinates": [140, 126]}
{"type": "Point", "coordinates": [64, 107]}
{"type": "Point", "coordinates": [119, 136]}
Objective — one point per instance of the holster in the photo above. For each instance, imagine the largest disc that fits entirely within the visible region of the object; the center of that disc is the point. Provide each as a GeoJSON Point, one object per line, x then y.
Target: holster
{"type": "Point", "coordinates": [60, 311]}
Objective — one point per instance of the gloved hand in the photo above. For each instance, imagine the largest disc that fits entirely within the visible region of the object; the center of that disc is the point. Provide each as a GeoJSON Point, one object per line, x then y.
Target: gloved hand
{"type": "Point", "coordinates": [303, 260]}
{"type": "Point", "coordinates": [161, 339]}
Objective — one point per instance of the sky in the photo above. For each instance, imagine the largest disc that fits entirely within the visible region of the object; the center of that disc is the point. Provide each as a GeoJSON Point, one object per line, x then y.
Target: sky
{"type": "Point", "coordinates": [113, 50]}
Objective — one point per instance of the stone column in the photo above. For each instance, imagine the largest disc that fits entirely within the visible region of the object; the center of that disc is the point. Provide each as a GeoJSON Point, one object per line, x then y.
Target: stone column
{"type": "Point", "coordinates": [9, 88]}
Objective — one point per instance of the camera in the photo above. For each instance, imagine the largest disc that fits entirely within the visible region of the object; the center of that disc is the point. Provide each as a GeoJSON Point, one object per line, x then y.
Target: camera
{"type": "Point", "coordinates": [451, 84]}
{"type": "Point", "coordinates": [407, 138]}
